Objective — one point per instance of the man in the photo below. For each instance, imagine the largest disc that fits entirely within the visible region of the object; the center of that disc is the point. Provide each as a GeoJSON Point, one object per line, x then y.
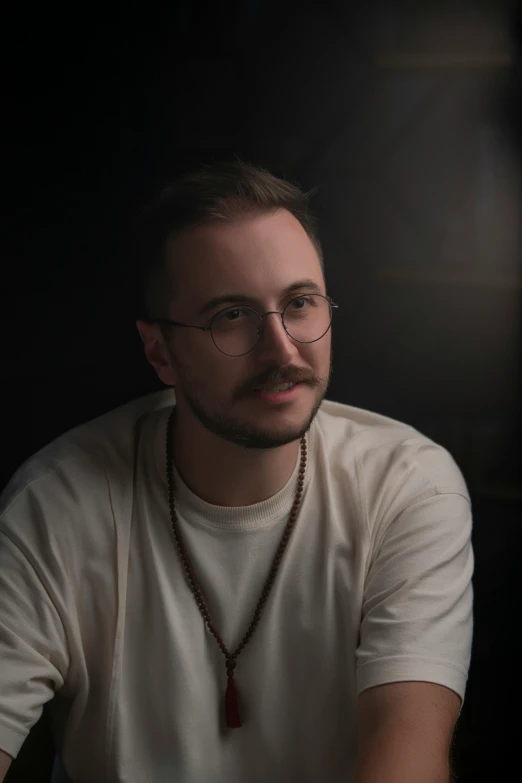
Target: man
{"type": "Point", "coordinates": [253, 583]}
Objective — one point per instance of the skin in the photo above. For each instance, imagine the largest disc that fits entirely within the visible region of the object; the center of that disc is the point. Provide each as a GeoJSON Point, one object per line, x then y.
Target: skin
{"type": "Point", "coordinates": [231, 447]}
{"type": "Point", "coordinates": [5, 763]}
{"type": "Point", "coordinates": [404, 733]}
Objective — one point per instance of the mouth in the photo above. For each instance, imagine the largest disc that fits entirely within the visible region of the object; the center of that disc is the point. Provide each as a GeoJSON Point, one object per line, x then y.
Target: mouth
{"type": "Point", "coordinates": [283, 392]}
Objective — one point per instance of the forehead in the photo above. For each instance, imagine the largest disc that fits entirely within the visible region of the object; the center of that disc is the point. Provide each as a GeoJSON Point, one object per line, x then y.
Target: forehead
{"type": "Point", "coordinates": [257, 256]}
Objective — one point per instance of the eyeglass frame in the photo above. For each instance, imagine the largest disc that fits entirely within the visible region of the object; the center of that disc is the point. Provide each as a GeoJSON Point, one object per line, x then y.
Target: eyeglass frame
{"type": "Point", "coordinates": [208, 326]}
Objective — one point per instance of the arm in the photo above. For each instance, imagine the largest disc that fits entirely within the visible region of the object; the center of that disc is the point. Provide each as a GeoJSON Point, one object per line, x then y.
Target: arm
{"type": "Point", "coordinates": [404, 733]}
{"type": "Point", "coordinates": [5, 763]}
{"type": "Point", "coordinates": [416, 621]}
{"type": "Point", "coordinates": [33, 646]}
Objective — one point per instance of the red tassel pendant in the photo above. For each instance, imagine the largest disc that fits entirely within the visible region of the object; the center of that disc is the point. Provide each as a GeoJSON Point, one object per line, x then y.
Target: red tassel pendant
{"type": "Point", "coordinates": [232, 704]}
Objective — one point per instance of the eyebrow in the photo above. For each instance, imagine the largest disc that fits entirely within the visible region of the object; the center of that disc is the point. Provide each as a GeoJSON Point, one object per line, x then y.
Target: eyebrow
{"type": "Point", "coordinates": [300, 285]}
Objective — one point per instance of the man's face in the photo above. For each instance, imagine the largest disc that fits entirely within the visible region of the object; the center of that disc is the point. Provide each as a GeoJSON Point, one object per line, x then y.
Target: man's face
{"type": "Point", "coordinates": [258, 257]}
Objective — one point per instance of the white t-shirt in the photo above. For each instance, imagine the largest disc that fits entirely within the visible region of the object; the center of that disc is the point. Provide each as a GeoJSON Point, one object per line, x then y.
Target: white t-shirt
{"type": "Point", "coordinates": [375, 587]}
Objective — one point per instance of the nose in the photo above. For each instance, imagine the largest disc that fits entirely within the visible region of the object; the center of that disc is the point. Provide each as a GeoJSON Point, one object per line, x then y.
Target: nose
{"type": "Point", "coordinates": [275, 343]}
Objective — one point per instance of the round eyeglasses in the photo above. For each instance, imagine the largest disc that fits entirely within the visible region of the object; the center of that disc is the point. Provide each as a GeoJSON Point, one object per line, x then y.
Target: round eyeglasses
{"type": "Point", "coordinates": [237, 330]}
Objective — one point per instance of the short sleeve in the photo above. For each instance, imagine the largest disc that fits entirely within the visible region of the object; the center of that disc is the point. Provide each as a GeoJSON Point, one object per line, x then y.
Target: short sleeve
{"type": "Point", "coordinates": [33, 649]}
{"type": "Point", "coordinates": [417, 609]}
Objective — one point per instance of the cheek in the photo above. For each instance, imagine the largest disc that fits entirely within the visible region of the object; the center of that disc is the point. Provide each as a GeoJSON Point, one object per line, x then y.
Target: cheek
{"type": "Point", "coordinates": [215, 373]}
{"type": "Point", "coordinates": [319, 355]}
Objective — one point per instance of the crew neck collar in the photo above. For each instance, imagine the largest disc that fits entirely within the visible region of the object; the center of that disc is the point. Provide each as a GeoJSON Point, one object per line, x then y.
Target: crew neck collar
{"type": "Point", "coordinates": [229, 517]}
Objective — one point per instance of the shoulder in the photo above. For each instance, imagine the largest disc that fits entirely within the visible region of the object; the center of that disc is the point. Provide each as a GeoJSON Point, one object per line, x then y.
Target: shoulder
{"type": "Point", "coordinates": [393, 464]}
{"type": "Point", "coordinates": [74, 472]}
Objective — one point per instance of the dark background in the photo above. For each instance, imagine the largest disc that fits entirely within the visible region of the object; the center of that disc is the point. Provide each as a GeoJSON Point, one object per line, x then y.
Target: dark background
{"type": "Point", "coordinates": [406, 118]}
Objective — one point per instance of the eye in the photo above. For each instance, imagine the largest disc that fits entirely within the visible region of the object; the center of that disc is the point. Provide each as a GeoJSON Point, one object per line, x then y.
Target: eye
{"type": "Point", "coordinates": [234, 314]}
{"type": "Point", "coordinates": [231, 318]}
{"type": "Point", "coordinates": [301, 302]}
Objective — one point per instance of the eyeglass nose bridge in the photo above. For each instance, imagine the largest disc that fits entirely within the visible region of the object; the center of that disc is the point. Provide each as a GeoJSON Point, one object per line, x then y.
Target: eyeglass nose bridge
{"type": "Point", "coordinates": [260, 328]}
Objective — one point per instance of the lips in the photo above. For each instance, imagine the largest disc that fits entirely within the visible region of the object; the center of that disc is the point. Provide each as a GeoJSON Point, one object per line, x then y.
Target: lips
{"type": "Point", "coordinates": [269, 385]}
{"type": "Point", "coordinates": [279, 398]}
{"type": "Point", "coordinates": [280, 387]}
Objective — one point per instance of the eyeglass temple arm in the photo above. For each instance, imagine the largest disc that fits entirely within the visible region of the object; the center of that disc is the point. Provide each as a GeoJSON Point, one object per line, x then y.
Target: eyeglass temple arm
{"type": "Point", "coordinates": [175, 323]}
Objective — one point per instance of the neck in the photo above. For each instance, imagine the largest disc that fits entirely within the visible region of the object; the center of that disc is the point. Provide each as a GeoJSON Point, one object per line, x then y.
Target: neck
{"type": "Point", "coordinates": [225, 474]}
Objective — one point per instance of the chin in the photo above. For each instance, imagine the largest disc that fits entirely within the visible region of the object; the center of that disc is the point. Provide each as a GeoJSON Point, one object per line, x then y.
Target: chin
{"type": "Point", "coordinates": [268, 435]}
{"type": "Point", "coordinates": [263, 439]}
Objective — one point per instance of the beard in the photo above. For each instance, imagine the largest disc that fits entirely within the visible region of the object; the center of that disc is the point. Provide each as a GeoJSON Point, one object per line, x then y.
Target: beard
{"type": "Point", "coordinates": [235, 429]}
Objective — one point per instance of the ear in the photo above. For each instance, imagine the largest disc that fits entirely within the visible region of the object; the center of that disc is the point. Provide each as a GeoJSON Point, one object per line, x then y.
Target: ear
{"type": "Point", "coordinates": [157, 352]}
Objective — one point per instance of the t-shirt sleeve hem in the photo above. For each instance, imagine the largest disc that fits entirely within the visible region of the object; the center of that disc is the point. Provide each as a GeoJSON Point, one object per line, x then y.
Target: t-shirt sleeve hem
{"type": "Point", "coordinates": [386, 670]}
{"type": "Point", "coordinates": [11, 740]}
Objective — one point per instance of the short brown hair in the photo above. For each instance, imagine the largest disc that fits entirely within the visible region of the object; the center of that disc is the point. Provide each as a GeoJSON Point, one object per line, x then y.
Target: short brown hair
{"type": "Point", "coordinates": [219, 192]}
